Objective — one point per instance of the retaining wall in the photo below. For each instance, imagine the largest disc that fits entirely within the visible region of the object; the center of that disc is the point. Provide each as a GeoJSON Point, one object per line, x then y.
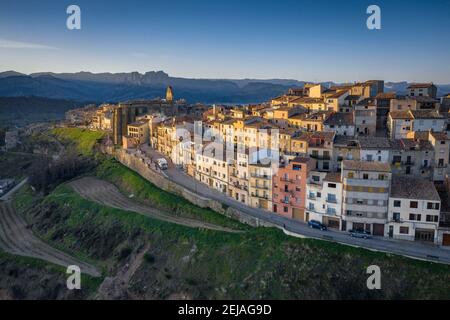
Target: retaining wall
{"type": "Point", "coordinates": [138, 165]}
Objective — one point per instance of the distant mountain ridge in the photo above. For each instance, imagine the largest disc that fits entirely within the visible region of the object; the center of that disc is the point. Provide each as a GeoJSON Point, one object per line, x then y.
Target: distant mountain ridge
{"type": "Point", "coordinates": [114, 87]}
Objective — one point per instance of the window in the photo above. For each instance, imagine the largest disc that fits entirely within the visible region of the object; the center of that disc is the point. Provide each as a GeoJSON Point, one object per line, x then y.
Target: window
{"type": "Point", "coordinates": [415, 217]}
{"type": "Point", "coordinates": [285, 209]}
{"type": "Point", "coordinates": [332, 185]}
{"type": "Point", "coordinates": [404, 230]}
{"type": "Point", "coordinates": [397, 203]}
{"type": "Point", "coordinates": [350, 175]}
{"type": "Point", "coordinates": [331, 198]}
{"type": "Point", "coordinates": [432, 218]}
{"type": "Point", "coordinates": [319, 194]}
{"type": "Point", "coordinates": [365, 176]}
{"type": "Point", "coordinates": [396, 216]}
{"type": "Point", "coordinates": [413, 204]}
{"type": "Point", "coordinates": [381, 177]}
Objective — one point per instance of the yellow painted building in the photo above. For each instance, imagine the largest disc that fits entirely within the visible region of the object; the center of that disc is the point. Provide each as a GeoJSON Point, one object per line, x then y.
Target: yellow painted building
{"type": "Point", "coordinates": [139, 131]}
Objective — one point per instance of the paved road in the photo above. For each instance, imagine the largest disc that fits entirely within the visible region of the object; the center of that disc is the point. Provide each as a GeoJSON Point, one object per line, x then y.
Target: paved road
{"type": "Point", "coordinates": [416, 250]}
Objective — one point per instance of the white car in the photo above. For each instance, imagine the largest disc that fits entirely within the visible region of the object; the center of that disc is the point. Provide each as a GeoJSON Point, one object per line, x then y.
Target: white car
{"type": "Point", "coordinates": [162, 163]}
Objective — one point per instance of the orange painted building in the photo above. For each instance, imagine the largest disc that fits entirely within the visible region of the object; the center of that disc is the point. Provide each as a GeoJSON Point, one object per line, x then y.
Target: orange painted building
{"type": "Point", "coordinates": [289, 188]}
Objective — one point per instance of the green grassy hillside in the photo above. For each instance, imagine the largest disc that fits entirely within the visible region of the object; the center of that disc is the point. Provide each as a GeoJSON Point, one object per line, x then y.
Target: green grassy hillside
{"type": "Point", "coordinates": [260, 263]}
{"type": "Point", "coordinates": [183, 262]}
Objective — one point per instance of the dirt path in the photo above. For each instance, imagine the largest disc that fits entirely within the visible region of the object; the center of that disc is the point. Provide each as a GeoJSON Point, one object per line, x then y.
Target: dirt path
{"type": "Point", "coordinates": [107, 194]}
{"type": "Point", "coordinates": [16, 238]}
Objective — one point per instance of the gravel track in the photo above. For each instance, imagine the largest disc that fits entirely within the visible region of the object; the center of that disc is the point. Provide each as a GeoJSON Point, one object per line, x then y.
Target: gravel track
{"type": "Point", "coordinates": [17, 239]}
{"type": "Point", "coordinates": [107, 194]}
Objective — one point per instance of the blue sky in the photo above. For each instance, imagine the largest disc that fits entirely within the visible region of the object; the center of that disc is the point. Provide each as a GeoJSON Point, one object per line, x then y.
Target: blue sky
{"type": "Point", "coordinates": [304, 40]}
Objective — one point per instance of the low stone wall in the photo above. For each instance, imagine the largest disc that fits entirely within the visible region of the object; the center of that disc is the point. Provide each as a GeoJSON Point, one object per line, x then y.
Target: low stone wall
{"type": "Point", "coordinates": [139, 166]}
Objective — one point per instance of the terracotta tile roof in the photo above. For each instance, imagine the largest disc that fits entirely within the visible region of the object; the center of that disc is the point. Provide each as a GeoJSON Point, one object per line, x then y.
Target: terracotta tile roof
{"type": "Point", "coordinates": [338, 94]}
{"type": "Point", "coordinates": [411, 144]}
{"type": "Point", "coordinates": [333, 177]}
{"type": "Point", "coordinates": [404, 114]}
{"type": "Point", "coordinates": [374, 142]}
{"type": "Point", "coordinates": [300, 160]}
{"type": "Point", "coordinates": [365, 165]}
{"type": "Point", "coordinates": [440, 135]}
{"type": "Point", "coordinates": [307, 100]}
{"type": "Point", "coordinates": [426, 114]}
{"type": "Point", "coordinates": [340, 119]}
{"type": "Point", "coordinates": [413, 188]}
{"type": "Point", "coordinates": [346, 141]}
{"type": "Point", "coordinates": [366, 102]}
{"type": "Point", "coordinates": [420, 85]}
{"type": "Point", "coordinates": [386, 95]}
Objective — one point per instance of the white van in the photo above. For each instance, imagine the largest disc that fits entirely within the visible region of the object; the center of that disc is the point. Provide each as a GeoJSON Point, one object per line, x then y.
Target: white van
{"type": "Point", "coordinates": [162, 163]}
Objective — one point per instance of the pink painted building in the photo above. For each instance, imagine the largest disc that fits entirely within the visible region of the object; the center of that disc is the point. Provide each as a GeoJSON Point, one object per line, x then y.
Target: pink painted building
{"type": "Point", "coordinates": [289, 188]}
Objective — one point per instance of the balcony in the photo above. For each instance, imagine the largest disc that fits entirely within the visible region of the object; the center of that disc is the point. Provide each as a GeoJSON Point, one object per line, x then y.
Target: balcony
{"type": "Point", "coordinates": [320, 157]}
{"type": "Point", "coordinates": [260, 176]}
{"type": "Point", "coordinates": [260, 187]}
{"type": "Point", "coordinates": [316, 183]}
{"type": "Point", "coordinates": [287, 180]}
{"type": "Point", "coordinates": [260, 196]}
{"type": "Point", "coordinates": [331, 200]}
{"type": "Point", "coordinates": [240, 186]}
{"type": "Point", "coordinates": [311, 197]}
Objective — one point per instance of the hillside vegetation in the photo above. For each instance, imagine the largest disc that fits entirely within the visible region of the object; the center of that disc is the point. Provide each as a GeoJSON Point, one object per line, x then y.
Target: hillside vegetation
{"type": "Point", "coordinates": [261, 263]}
{"type": "Point", "coordinates": [82, 140]}
{"type": "Point", "coordinates": [173, 261]}
{"type": "Point", "coordinates": [25, 110]}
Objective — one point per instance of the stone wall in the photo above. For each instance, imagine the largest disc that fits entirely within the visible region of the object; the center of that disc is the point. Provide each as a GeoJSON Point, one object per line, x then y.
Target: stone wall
{"type": "Point", "coordinates": [139, 166]}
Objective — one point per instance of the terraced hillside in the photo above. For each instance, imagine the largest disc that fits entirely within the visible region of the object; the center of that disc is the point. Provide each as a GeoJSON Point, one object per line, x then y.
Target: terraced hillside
{"type": "Point", "coordinates": [107, 194]}
{"type": "Point", "coordinates": [17, 239]}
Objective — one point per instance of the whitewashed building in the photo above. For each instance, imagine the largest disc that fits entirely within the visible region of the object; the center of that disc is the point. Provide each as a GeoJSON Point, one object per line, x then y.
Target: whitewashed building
{"type": "Point", "coordinates": [414, 208]}
{"type": "Point", "coordinates": [324, 198]}
{"type": "Point", "coordinates": [365, 195]}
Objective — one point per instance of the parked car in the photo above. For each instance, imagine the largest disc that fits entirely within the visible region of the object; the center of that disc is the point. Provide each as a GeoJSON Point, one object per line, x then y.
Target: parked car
{"type": "Point", "coordinates": [316, 225]}
{"type": "Point", "coordinates": [360, 234]}
{"type": "Point", "coordinates": [162, 163]}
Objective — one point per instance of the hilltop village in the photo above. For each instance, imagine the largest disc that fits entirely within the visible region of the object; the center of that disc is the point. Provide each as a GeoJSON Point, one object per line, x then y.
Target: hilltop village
{"type": "Point", "coordinates": [352, 157]}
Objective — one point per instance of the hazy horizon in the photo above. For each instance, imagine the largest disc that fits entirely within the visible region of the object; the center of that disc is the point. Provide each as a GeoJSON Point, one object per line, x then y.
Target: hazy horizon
{"type": "Point", "coordinates": [237, 79]}
{"type": "Point", "coordinates": [231, 39]}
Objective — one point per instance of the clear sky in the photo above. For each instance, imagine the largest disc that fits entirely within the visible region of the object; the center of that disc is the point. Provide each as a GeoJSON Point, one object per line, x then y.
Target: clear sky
{"type": "Point", "coordinates": [303, 40]}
